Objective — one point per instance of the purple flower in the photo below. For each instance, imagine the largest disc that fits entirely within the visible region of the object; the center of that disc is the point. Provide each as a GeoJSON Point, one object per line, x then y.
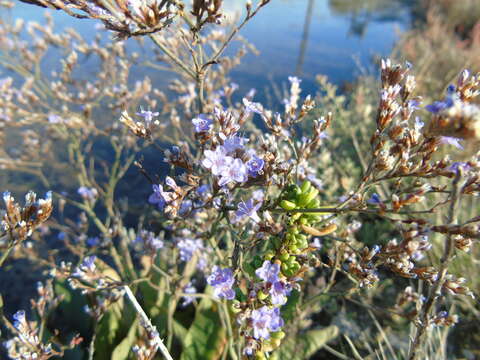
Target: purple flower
{"type": "Point", "coordinates": [448, 140]}
{"type": "Point", "coordinates": [418, 123]}
{"type": "Point", "coordinates": [318, 183]}
{"type": "Point", "coordinates": [89, 263]}
{"type": "Point", "coordinates": [204, 191]}
{"type": "Point", "coordinates": [251, 93]}
{"type": "Point", "coordinates": [188, 247]}
{"type": "Point", "coordinates": [93, 241]}
{"type": "Point", "coordinates": [149, 240]}
{"type": "Point", "coordinates": [250, 345]}
{"type": "Point", "coordinates": [97, 10]}
{"type": "Point", "coordinates": [451, 89]}
{"type": "Point", "coordinates": [54, 119]}
{"type": "Point", "coordinates": [236, 171]}
{"type": "Point", "coordinates": [157, 197]}
{"type": "Point", "coordinates": [316, 243]}
{"type": "Point", "coordinates": [216, 160]}
{"type": "Point", "coordinates": [374, 199]}
{"type": "Point", "coordinates": [202, 123]}
{"type": "Point", "coordinates": [264, 321]}
{"type": "Point", "coordinates": [342, 198]}
{"type": "Point", "coordinates": [294, 80]}
{"type": "Point", "coordinates": [438, 106]}
{"type": "Point", "coordinates": [255, 165]}
{"type": "Point", "coordinates": [87, 266]}
{"type": "Point", "coordinates": [233, 143]}
{"type": "Point", "coordinates": [252, 106]}
{"type": "Point", "coordinates": [188, 289]}
{"type": "Point", "coordinates": [87, 193]}
{"type": "Point", "coordinates": [413, 104]}
{"type": "Point", "coordinates": [323, 135]}
{"type": "Point", "coordinates": [268, 272]}
{"type": "Point", "coordinates": [459, 165]}
{"type": "Point", "coordinates": [277, 289]}
{"type": "Point", "coordinates": [279, 292]}
{"type": "Point", "coordinates": [185, 207]}
{"type": "Point", "coordinates": [248, 209]}
{"type": "Point", "coordinates": [222, 281]}
{"type": "Point", "coordinates": [258, 195]}
{"type": "Point", "coordinates": [147, 115]}
{"type": "Point", "coordinates": [19, 319]}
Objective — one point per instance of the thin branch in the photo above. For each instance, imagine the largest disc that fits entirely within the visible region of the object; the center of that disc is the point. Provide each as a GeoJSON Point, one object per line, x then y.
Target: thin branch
{"type": "Point", "coordinates": [147, 322]}
{"type": "Point", "coordinates": [435, 291]}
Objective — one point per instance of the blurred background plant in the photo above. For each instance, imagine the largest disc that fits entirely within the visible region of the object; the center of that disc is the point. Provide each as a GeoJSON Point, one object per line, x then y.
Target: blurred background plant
{"type": "Point", "coordinates": [112, 238]}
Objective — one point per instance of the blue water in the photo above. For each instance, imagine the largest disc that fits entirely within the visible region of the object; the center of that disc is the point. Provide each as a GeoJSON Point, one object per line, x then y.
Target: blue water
{"type": "Point", "coordinates": [339, 44]}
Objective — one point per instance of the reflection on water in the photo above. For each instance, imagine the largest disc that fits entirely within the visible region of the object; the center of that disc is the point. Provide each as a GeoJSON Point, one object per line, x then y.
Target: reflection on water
{"type": "Point", "coordinates": [304, 37]}
{"type": "Point", "coordinates": [362, 13]}
{"type": "Point", "coordinates": [328, 47]}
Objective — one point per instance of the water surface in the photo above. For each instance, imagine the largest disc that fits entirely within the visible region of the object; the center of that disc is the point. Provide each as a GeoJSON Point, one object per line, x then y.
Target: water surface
{"type": "Point", "coordinates": [337, 38]}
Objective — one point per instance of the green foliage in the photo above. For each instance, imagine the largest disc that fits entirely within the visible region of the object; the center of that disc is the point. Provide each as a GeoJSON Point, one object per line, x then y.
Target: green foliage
{"type": "Point", "coordinates": [304, 345]}
{"type": "Point", "coordinates": [122, 350]}
{"type": "Point", "coordinates": [289, 309]}
{"type": "Point", "coordinates": [107, 330]}
{"type": "Point", "coordinates": [72, 301]}
{"type": "Point", "coordinates": [374, 231]}
{"type": "Point", "coordinates": [206, 337]}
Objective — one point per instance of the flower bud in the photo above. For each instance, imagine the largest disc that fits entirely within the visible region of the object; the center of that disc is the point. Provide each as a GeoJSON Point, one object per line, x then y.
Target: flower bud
{"type": "Point", "coordinates": [260, 356]}
{"type": "Point", "coordinates": [287, 205]}
{"type": "Point", "coordinates": [278, 335]}
{"type": "Point", "coordinates": [284, 255]}
{"type": "Point", "coordinates": [306, 186]}
{"type": "Point", "coordinates": [305, 198]}
{"type": "Point", "coordinates": [261, 295]}
{"type": "Point", "coordinates": [269, 255]}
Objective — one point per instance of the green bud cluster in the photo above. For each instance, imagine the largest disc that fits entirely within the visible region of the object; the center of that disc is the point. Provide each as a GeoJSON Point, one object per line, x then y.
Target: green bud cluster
{"type": "Point", "coordinates": [288, 249]}
{"type": "Point", "coordinates": [299, 198]}
{"type": "Point", "coordinates": [274, 341]}
{"type": "Point", "coordinates": [285, 249]}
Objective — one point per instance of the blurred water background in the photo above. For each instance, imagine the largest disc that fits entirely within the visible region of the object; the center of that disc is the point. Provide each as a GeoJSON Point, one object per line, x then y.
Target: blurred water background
{"type": "Point", "coordinates": [337, 38]}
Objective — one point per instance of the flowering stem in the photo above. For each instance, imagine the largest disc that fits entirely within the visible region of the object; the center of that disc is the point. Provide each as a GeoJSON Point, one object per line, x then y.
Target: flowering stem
{"type": "Point", "coordinates": [91, 347]}
{"type": "Point", "coordinates": [338, 210]}
{"type": "Point", "coordinates": [147, 322]}
{"type": "Point", "coordinates": [214, 58]}
{"type": "Point", "coordinates": [6, 254]}
{"type": "Point", "coordinates": [172, 56]}
{"type": "Point", "coordinates": [200, 79]}
{"type": "Point", "coordinates": [231, 350]}
{"type": "Point", "coordinates": [435, 291]}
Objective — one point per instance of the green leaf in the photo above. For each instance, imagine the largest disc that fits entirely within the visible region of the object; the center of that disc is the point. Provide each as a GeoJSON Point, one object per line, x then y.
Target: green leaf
{"type": "Point", "coordinates": [180, 332]}
{"type": "Point", "coordinates": [304, 345]}
{"type": "Point", "coordinates": [153, 300]}
{"type": "Point", "coordinates": [289, 310]}
{"type": "Point", "coordinates": [68, 310]}
{"type": "Point", "coordinates": [107, 330]}
{"type": "Point", "coordinates": [122, 350]}
{"type": "Point", "coordinates": [206, 337]}
{"type": "Point", "coordinates": [61, 288]}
